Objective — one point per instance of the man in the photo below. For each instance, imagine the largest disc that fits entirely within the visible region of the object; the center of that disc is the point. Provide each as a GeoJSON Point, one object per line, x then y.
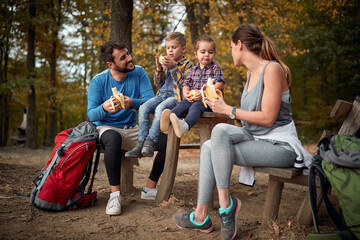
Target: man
{"type": "Point", "coordinates": [116, 125]}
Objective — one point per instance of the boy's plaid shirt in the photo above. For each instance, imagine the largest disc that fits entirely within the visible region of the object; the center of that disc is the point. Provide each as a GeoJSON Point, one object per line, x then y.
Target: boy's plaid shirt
{"type": "Point", "coordinates": [178, 74]}
{"type": "Point", "coordinates": [198, 77]}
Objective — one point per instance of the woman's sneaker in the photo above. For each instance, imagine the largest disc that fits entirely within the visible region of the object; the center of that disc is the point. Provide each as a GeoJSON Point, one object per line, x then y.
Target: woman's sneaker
{"type": "Point", "coordinates": [187, 221]}
{"type": "Point", "coordinates": [149, 193]}
{"type": "Point", "coordinates": [113, 206]}
{"type": "Point", "coordinates": [228, 220]}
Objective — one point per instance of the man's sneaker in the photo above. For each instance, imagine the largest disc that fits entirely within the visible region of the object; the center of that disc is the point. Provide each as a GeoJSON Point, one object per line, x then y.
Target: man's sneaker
{"type": "Point", "coordinates": [228, 220]}
{"type": "Point", "coordinates": [186, 221]}
{"type": "Point", "coordinates": [179, 125]}
{"type": "Point", "coordinates": [148, 148]}
{"type": "Point", "coordinates": [149, 193]}
{"type": "Point", "coordinates": [136, 151]}
{"type": "Point", "coordinates": [113, 206]}
{"type": "Point", "coordinates": [165, 120]}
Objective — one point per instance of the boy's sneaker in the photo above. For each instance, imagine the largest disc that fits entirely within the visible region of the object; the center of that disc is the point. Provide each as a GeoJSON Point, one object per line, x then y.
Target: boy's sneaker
{"type": "Point", "coordinates": [179, 125]}
{"type": "Point", "coordinates": [184, 221]}
{"type": "Point", "coordinates": [136, 151]}
{"type": "Point", "coordinates": [165, 120]}
{"type": "Point", "coordinates": [113, 206]}
{"type": "Point", "coordinates": [148, 148]}
{"type": "Point", "coordinates": [228, 220]}
{"type": "Point", "coordinates": [149, 193]}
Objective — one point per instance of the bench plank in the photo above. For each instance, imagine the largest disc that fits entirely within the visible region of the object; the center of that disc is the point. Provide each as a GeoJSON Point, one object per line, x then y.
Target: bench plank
{"type": "Point", "coordinates": [340, 109]}
{"type": "Point", "coordinates": [286, 173]}
{"type": "Point", "coordinates": [352, 122]}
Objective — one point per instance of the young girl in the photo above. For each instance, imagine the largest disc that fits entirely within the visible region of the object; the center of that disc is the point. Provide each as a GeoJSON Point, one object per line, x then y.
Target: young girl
{"type": "Point", "coordinates": [192, 105]}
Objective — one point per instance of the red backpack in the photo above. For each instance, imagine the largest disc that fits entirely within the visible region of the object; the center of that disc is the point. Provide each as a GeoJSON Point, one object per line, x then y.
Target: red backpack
{"type": "Point", "coordinates": [61, 183]}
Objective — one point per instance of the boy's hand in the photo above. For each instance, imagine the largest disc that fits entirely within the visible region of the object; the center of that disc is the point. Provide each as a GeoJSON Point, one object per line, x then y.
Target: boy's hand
{"type": "Point", "coordinates": [158, 65]}
{"type": "Point", "coordinates": [168, 62]}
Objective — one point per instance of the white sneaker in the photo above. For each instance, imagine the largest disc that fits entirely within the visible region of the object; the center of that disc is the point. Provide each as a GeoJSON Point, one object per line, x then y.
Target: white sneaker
{"type": "Point", "coordinates": [113, 206]}
{"type": "Point", "coordinates": [180, 125]}
{"type": "Point", "coordinates": [149, 193]}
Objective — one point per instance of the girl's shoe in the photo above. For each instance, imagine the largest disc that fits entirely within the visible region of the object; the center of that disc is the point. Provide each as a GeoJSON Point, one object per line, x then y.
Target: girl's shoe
{"type": "Point", "coordinates": [179, 125]}
{"type": "Point", "coordinates": [165, 120]}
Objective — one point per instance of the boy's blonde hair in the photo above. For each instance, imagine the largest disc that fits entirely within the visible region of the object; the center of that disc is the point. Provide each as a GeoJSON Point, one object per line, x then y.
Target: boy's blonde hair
{"type": "Point", "coordinates": [205, 38]}
{"type": "Point", "coordinates": [177, 36]}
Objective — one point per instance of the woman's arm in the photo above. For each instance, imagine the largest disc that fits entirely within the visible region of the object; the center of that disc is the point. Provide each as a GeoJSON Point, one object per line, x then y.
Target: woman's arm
{"type": "Point", "coordinates": [274, 80]}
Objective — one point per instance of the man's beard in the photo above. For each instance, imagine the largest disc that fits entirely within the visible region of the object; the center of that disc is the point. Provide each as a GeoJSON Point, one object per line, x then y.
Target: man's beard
{"type": "Point", "coordinates": [126, 69]}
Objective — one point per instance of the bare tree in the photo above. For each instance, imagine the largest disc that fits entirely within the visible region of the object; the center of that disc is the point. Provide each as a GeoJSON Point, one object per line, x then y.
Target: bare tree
{"type": "Point", "coordinates": [121, 21]}
{"type": "Point", "coordinates": [198, 18]}
{"type": "Point", "coordinates": [31, 135]}
{"type": "Point", "coordinates": [56, 16]}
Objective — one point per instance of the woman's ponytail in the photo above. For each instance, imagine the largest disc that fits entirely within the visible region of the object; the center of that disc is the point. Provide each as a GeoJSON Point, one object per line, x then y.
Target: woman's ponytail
{"type": "Point", "coordinates": [268, 52]}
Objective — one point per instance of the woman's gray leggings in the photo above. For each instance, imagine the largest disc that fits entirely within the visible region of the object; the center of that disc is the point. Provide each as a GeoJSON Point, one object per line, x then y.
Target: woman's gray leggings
{"type": "Point", "coordinates": [231, 145]}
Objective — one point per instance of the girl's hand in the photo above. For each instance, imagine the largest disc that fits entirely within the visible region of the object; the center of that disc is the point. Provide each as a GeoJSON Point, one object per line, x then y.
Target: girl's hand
{"type": "Point", "coordinates": [197, 96]}
{"type": "Point", "coordinates": [187, 96]}
{"type": "Point", "coordinates": [218, 105]}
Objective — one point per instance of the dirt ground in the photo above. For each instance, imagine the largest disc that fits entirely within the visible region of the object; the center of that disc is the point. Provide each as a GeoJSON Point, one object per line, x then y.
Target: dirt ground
{"type": "Point", "coordinates": [140, 219]}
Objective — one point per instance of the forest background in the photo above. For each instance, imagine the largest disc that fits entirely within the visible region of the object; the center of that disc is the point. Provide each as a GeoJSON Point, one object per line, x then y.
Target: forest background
{"type": "Point", "coordinates": [49, 52]}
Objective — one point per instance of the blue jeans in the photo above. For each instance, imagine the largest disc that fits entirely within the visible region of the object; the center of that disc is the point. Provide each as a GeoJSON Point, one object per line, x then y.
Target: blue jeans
{"type": "Point", "coordinates": [154, 105]}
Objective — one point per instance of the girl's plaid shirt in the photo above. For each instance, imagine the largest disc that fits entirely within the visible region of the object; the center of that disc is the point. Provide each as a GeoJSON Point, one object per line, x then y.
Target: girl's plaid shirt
{"type": "Point", "coordinates": [178, 74]}
{"type": "Point", "coordinates": [197, 77]}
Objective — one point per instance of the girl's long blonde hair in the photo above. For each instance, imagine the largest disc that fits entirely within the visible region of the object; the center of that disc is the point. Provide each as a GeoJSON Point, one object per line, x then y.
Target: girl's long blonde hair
{"type": "Point", "coordinates": [251, 36]}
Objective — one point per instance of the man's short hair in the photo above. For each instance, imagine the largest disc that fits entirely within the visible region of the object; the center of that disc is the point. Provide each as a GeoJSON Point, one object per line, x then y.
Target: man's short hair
{"type": "Point", "coordinates": [178, 36]}
{"type": "Point", "coordinates": [107, 50]}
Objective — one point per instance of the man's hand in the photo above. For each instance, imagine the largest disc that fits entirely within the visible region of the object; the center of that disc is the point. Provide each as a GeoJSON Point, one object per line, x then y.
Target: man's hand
{"type": "Point", "coordinates": [111, 108]}
{"type": "Point", "coordinates": [128, 102]}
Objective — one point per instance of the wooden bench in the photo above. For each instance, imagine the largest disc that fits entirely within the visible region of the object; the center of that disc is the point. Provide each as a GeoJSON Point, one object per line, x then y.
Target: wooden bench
{"type": "Point", "coordinates": [127, 173]}
{"type": "Point", "coordinates": [277, 176]}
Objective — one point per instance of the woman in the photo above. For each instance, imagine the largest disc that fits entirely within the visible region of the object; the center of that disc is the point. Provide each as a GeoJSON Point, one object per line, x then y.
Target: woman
{"type": "Point", "coordinates": [268, 136]}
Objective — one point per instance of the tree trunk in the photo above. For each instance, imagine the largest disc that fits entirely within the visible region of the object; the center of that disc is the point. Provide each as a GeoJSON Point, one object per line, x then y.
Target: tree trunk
{"type": "Point", "coordinates": [193, 25]}
{"type": "Point", "coordinates": [204, 17]}
{"type": "Point", "coordinates": [31, 135]}
{"type": "Point", "coordinates": [56, 15]}
{"type": "Point", "coordinates": [121, 21]}
{"type": "Point", "coordinates": [4, 59]}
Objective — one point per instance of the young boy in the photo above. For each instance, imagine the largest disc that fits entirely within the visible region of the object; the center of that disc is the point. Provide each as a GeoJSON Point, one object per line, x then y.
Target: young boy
{"type": "Point", "coordinates": [170, 72]}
